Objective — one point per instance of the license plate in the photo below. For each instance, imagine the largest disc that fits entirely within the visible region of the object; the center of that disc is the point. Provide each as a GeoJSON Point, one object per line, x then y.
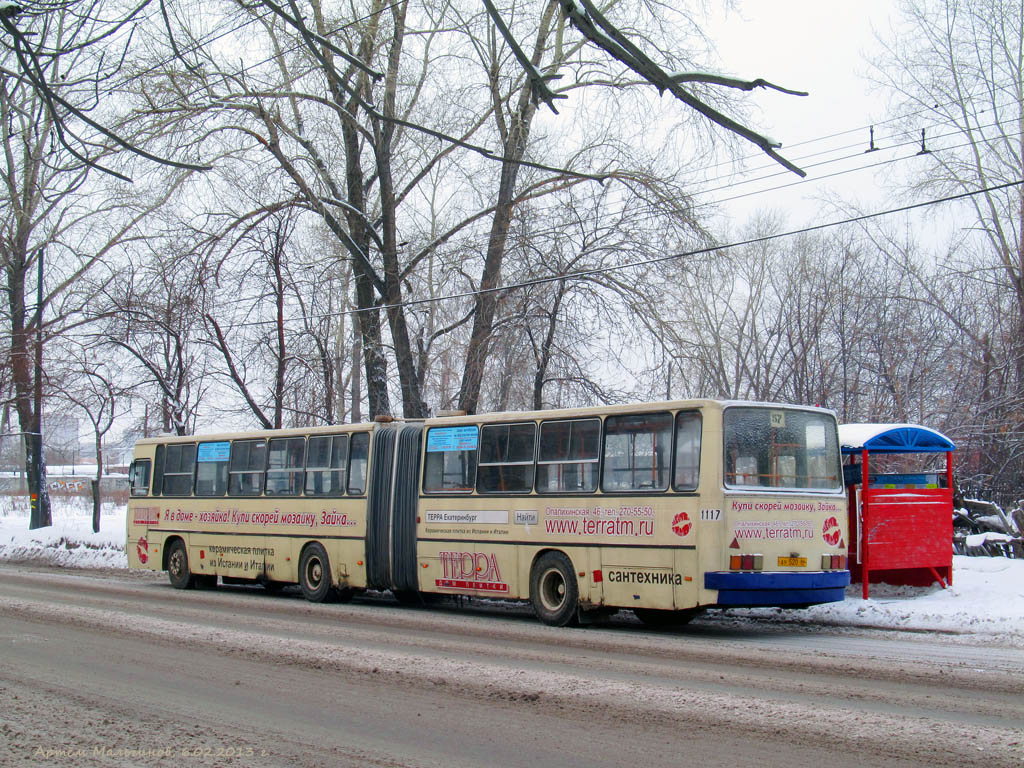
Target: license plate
{"type": "Point", "coordinates": [793, 562]}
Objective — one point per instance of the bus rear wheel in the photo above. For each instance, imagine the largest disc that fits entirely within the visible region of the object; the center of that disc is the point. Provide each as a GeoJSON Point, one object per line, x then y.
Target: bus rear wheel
{"type": "Point", "coordinates": [178, 572]}
{"type": "Point", "coordinates": [315, 574]}
{"type": "Point", "coordinates": [553, 590]}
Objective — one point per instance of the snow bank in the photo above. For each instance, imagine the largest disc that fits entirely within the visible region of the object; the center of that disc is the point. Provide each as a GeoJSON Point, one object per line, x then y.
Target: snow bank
{"type": "Point", "coordinates": [69, 541]}
{"type": "Point", "coordinates": [987, 596]}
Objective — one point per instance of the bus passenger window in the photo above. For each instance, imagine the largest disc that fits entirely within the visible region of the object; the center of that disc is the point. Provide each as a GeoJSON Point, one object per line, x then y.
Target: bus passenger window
{"type": "Point", "coordinates": [284, 466]}
{"type": "Point", "coordinates": [357, 460]}
{"type": "Point", "coordinates": [568, 456]}
{"type": "Point", "coordinates": [687, 473]}
{"type": "Point", "coordinates": [451, 459]}
{"type": "Point", "coordinates": [506, 458]}
{"type": "Point", "coordinates": [179, 462]}
{"type": "Point", "coordinates": [212, 469]}
{"type": "Point", "coordinates": [325, 465]}
{"type": "Point", "coordinates": [637, 452]}
{"type": "Point", "coordinates": [248, 460]}
{"type": "Point", "coordinates": [158, 470]}
{"type": "Point", "coordinates": [139, 477]}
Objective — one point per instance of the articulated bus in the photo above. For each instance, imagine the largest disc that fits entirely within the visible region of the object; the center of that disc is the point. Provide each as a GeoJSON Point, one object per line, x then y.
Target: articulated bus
{"type": "Point", "coordinates": [665, 509]}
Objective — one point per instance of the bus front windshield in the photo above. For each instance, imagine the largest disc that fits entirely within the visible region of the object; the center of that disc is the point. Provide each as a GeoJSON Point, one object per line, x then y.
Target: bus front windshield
{"type": "Point", "coordinates": [781, 449]}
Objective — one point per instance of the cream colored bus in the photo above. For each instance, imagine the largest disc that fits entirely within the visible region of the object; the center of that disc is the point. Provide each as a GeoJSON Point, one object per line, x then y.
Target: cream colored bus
{"type": "Point", "coordinates": [662, 508]}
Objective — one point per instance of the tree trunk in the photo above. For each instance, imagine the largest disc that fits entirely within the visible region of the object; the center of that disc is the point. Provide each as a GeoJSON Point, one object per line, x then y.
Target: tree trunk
{"type": "Point", "coordinates": [413, 405]}
{"type": "Point", "coordinates": [487, 300]}
{"type": "Point", "coordinates": [96, 490]}
{"type": "Point", "coordinates": [25, 384]}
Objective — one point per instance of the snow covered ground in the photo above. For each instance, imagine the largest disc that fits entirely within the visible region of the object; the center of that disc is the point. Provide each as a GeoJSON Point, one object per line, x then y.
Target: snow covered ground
{"type": "Point", "coordinates": [987, 596]}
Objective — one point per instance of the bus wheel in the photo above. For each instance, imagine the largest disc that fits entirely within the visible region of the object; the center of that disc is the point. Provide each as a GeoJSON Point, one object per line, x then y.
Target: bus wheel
{"type": "Point", "coordinates": [553, 590]}
{"type": "Point", "coordinates": [177, 567]}
{"type": "Point", "coordinates": [315, 574]}
{"type": "Point", "coordinates": [657, 619]}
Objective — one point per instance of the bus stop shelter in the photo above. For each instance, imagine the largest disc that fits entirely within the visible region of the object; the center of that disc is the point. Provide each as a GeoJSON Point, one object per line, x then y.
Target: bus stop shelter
{"type": "Point", "coordinates": [901, 524]}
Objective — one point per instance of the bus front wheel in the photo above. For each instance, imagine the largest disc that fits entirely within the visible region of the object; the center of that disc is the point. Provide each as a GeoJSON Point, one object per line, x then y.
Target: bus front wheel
{"type": "Point", "coordinates": [553, 590]}
{"type": "Point", "coordinates": [315, 574]}
{"type": "Point", "coordinates": [178, 572]}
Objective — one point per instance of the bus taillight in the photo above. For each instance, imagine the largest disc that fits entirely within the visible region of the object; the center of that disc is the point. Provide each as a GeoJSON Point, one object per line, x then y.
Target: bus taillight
{"type": "Point", "coordinates": [833, 562]}
{"type": "Point", "coordinates": [746, 562]}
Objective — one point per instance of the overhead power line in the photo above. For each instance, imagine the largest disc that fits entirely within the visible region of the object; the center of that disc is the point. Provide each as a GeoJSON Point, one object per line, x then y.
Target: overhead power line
{"type": "Point", "coordinates": [585, 273]}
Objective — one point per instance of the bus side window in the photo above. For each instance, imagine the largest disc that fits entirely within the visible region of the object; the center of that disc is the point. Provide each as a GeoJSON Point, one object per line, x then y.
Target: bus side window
{"type": "Point", "coordinates": [179, 466]}
{"type": "Point", "coordinates": [139, 477]}
{"type": "Point", "coordinates": [451, 459]}
{"type": "Point", "coordinates": [687, 467]}
{"type": "Point", "coordinates": [326, 461]}
{"type": "Point", "coordinates": [359, 454]}
{"type": "Point", "coordinates": [284, 466]}
{"type": "Point", "coordinates": [158, 470]}
{"type": "Point", "coordinates": [248, 460]}
{"type": "Point", "coordinates": [212, 469]}
{"type": "Point", "coordinates": [506, 458]}
{"type": "Point", "coordinates": [637, 452]}
{"type": "Point", "coordinates": [568, 456]}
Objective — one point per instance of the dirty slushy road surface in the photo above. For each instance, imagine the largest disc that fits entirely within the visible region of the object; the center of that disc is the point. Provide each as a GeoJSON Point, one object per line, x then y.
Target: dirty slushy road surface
{"type": "Point", "coordinates": [118, 669]}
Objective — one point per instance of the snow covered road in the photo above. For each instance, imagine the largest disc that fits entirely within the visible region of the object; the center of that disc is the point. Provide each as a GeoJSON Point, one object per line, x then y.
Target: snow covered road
{"type": "Point", "coordinates": [239, 677]}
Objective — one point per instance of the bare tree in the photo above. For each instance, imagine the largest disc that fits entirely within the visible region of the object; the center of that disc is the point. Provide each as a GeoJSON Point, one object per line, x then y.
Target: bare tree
{"type": "Point", "coordinates": [50, 206]}
{"type": "Point", "coordinates": [955, 69]}
{"type": "Point", "coordinates": [49, 52]}
{"type": "Point", "coordinates": [97, 394]}
{"type": "Point", "coordinates": [153, 311]}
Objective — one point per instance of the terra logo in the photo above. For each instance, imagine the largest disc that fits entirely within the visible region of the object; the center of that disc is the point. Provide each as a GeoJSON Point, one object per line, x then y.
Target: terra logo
{"type": "Point", "coordinates": [830, 531]}
{"type": "Point", "coordinates": [681, 524]}
{"type": "Point", "coordinates": [143, 549]}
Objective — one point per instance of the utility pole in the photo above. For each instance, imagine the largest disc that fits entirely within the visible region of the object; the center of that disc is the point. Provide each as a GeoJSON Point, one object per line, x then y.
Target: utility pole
{"type": "Point", "coordinates": [40, 507]}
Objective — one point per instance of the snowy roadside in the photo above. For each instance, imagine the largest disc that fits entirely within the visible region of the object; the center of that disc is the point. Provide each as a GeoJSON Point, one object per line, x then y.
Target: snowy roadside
{"type": "Point", "coordinates": [69, 542]}
{"type": "Point", "coordinates": [986, 598]}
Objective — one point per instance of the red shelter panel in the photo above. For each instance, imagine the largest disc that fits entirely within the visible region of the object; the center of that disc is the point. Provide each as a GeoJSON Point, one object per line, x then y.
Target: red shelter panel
{"type": "Point", "coordinates": [901, 524]}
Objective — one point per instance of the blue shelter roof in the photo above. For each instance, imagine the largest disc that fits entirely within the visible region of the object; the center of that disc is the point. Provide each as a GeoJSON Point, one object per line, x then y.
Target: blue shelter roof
{"type": "Point", "coordinates": [892, 438]}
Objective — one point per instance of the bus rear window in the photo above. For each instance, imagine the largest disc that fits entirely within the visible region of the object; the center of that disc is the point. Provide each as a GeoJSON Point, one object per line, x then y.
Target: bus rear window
{"type": "Point", "coordinates": [781, 448]}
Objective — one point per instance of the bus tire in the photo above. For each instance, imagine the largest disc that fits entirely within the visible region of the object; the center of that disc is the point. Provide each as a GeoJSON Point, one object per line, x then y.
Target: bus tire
{"type": "Point", "coordinates": [178, 572]}
{"type": "Point", "coordinates": [315, 574]}
{"type": "Point", "coordinates": [554, 591]}
{"type": "Point", "coordinates": [658, 619]}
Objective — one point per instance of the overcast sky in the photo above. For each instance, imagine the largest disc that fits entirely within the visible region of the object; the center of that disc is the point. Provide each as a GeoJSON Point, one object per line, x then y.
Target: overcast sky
{"type": "Point", "coordinates": [820, 46]}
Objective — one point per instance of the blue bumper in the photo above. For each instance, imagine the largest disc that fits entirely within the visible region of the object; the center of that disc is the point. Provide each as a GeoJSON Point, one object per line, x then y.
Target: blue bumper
{"type": "Point", "coordinates": [777, 588]}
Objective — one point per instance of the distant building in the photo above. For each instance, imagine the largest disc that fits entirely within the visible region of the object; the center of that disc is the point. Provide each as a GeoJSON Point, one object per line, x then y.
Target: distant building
{"type": "Point", "coordinates": [61, 441]}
